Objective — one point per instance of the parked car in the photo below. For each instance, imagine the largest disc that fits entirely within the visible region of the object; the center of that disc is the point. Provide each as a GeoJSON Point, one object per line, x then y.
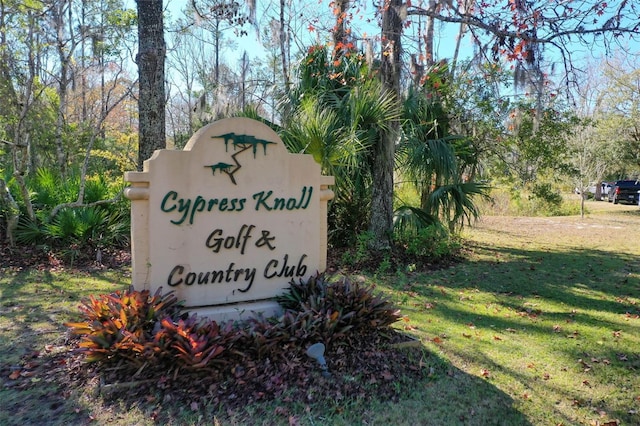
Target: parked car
{"type": "Point", "coordinates": [625, 191]}
{"type": "Point", "coordinates": [590, 191]}
{"type": "Point", "coordinates": [606, 189]}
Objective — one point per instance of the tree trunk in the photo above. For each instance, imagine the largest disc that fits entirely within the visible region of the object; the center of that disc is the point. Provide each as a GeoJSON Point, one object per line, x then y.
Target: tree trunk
{"type": "Point", "coordinates": [150, 60]}
{"type": "Point", "coordinates": [381, 221]}
{"type": "Point", "coordinates": [339, 31]}
{"type": "Point", "coordinates": [284, 47]}
{"type": "Point", "coordinates": [18, 105]}
{"type": "Point", "coordinates": [65, 45]}
{"type": "Point", "coordinates": [428, 36]}
{"type": "Point", "coordinates": [12, 211]}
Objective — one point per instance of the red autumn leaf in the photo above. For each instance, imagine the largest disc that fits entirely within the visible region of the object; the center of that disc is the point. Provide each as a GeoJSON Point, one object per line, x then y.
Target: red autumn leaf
{"type": "Point", "coordinates": [15, 375]}
{"type": "Point", "coordinates": [485, 373]}
{"type": "Point", "coordinates": [294, 421]}
{"type": "Point", "coordinates": [497, 338]}
{"type": "Point", "coordinates": [437, 340]}
{"type": "Point", "coordinates": [281, 411]}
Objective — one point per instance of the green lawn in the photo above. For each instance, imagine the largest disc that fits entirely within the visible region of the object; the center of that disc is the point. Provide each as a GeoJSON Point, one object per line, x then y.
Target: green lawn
{"type": "Point", "coordinates": [541, 326]}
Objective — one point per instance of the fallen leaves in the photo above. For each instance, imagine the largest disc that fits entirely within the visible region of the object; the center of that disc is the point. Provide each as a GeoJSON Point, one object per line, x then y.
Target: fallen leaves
{"type": "Point", "coordinates": [573, 335]}
{"type": "Point", "coordinates": [387, 375]}
{"type": "Point", "coordinates": [585, 367]}
{"type": "Point", "coordinates": [407, 326]}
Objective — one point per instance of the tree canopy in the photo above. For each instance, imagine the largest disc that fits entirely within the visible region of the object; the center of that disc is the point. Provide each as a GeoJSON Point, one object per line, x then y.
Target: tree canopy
{"type": "Point", "coordinates": [441, 94]}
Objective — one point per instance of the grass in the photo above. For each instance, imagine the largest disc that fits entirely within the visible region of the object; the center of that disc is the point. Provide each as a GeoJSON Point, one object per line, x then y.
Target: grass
{"type": "Point", "coordinates": [541, 326]}
{"type": "Point", "coordinates": [33, 307]}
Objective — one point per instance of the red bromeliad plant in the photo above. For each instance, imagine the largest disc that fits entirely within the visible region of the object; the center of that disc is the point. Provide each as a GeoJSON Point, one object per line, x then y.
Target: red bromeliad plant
{"type": "Point", "coordinates": [199, 343]}
{"type": "Point", "coordinates": [343, 305]}
{"type": "Point", "coordinates": [142, 329]}
{"type": "Point", "coordinates": [123, 324]}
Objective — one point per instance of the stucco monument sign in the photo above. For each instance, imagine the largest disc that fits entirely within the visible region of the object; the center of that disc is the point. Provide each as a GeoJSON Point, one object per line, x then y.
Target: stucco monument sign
{"type": "Point", "coordinates": [229, 221]}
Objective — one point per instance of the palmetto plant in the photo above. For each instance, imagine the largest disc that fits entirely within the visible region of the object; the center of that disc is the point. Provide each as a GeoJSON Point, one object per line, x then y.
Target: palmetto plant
{"type": "Point", "coordinates": [339, 111]}
{"type": "Point", "coordinates": [428, 157]}
{"type": "Point", "coordinates": [75, 229]}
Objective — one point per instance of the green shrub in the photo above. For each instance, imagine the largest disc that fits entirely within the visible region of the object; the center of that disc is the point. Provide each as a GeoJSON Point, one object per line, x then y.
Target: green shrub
{"type": "Point", "coordinates": [545, 193]}
{"type": "Point", "coordinates": [543, 202]}
{"type": "Point", "coordinates": [433, 241]}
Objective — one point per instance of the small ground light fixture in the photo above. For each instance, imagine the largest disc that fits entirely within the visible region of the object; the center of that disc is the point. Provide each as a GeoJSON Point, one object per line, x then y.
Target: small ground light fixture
{"type": "Point", "coordinates": [316, 351]}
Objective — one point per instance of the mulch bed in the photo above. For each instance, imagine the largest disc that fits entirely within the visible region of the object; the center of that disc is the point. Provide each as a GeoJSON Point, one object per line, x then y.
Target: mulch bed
{"type": "Point", "coordinates": [362, 366]}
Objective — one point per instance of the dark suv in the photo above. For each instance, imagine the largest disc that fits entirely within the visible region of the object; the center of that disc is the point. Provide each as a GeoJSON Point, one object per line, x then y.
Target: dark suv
{"type": "Point", "coordinates": [624, 191]}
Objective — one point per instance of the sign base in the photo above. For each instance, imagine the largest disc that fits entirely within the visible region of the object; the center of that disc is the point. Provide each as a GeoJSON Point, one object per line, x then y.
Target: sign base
{"type": "Point", "coordinates": [238, 311]}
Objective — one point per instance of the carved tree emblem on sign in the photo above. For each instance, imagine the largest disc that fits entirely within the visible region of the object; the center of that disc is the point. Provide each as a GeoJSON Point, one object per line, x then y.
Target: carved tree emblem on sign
{"type": "Point", "coordinates": [240, 144]}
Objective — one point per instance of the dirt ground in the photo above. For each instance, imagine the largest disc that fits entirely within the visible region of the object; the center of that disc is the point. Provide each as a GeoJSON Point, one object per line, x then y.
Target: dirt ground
{"type": "Point", "coordinates": [603, 223]}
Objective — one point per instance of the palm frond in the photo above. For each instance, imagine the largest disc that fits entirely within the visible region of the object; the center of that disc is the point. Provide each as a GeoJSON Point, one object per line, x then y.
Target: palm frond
{"type": "Point", "coordinates": [410, 219]}
{"type": "Point", "coordinates": [455, 201]}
